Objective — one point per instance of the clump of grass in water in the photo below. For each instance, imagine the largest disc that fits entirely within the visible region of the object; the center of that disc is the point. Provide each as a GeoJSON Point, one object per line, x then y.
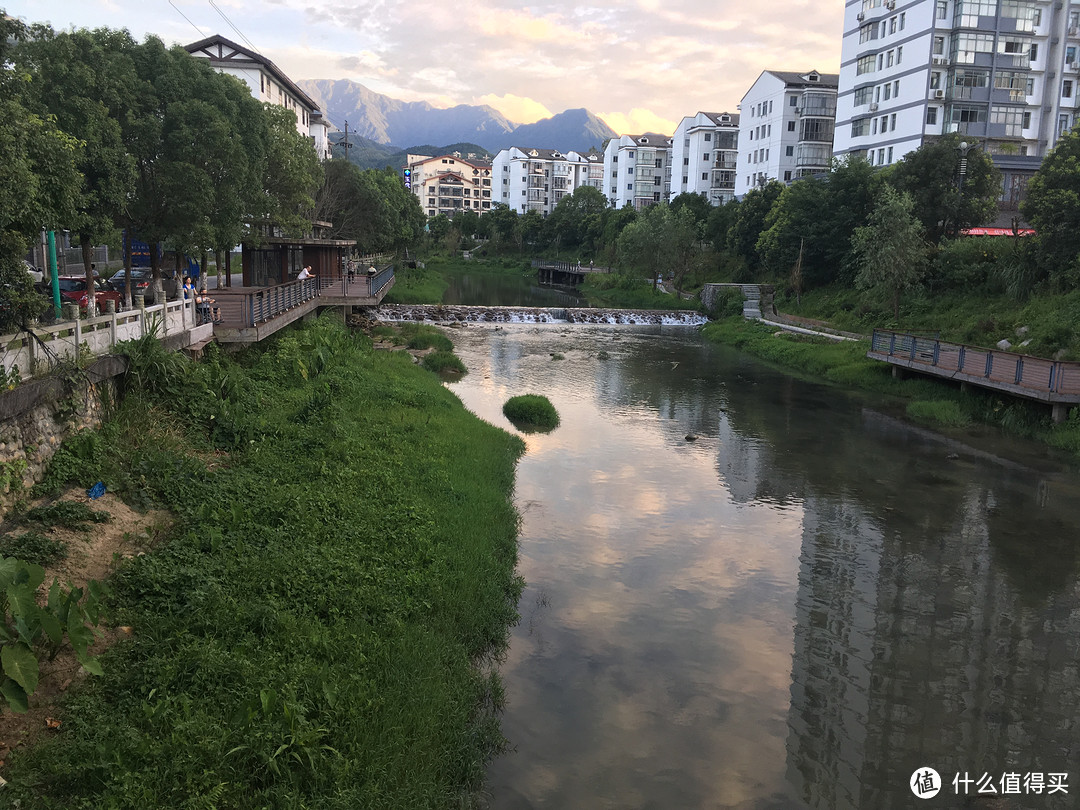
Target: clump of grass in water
{"type": "Point", "coordinates": [557, 356]}
{"type": "Point", "coordinates": [531, 412]}
{"type": "Point", "coordinates": [939, 412]}
{"type": "Point", "coordinates": [444, 362]}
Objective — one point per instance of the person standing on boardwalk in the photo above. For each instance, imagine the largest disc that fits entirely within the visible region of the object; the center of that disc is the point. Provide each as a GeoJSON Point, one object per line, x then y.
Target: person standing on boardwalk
{"type": "Point", "coordinates": [305, 273]}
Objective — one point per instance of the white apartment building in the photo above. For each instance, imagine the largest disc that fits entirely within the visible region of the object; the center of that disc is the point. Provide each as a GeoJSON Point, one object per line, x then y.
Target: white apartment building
{"type": "Point", "coordinates": [1003, 74]}
{"type": "Point", "coordinates": [704, 156]}
{"type": "Point", "coordinates": [528, 179]}
{"type": "Point", "coordinates": [637, 170]}
{"type": "Point", "coordinates": [268, 84]}
{"type": "Point", "coordinates": [787, 124]}
{"type": "Point", "coordinates": [448, 184]}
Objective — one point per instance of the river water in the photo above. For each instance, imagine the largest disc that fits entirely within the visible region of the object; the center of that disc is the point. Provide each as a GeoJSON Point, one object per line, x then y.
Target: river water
{"type": "Point", "coordinates": [803, 607]}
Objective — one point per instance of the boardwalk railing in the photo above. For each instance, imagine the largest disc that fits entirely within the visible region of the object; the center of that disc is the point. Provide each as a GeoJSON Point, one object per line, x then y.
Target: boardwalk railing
{"type": "Point", "coordinates": [361, 285]}
{"type": "Point", "coordinates": [569, 267]}
{"type": "Point", "coordinates": [97, 335]}
{"type": "Point", "coordinates": [1033, 377]}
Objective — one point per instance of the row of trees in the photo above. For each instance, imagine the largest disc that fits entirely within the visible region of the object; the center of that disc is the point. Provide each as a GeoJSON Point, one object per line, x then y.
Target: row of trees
{"type": "Point", "coordinates": [99, 132]}
{"type": "Point", "coordinates": [857, 225]}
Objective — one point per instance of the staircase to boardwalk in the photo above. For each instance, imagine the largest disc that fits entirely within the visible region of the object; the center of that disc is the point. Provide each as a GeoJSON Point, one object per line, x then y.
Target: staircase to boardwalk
{"type": "Point", "coordinates": [751, 308]}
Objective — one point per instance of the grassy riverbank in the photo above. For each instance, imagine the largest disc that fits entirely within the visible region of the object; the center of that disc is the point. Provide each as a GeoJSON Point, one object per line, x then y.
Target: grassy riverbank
{"type": "Point", "coordinates": [932, 402]}
{"type": "Point", "coordinates": [315, 630]}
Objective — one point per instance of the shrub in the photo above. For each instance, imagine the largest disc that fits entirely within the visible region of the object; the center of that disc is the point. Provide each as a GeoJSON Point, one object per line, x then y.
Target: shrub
{"type": "Point", "coordinates": [33, 548]}
{"type": "Point", "coordinates": [531, 411]}
{"type": "Point", "coordinates": [68, 515]}
{"type": "Point", "coordinates": [444, 362]}
{"type": "Point", "coordinates": [941, 412]}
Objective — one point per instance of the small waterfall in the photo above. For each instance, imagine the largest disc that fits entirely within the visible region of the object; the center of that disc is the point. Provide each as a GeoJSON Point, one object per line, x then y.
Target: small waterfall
{"type": "Point", "coordinates": [441, 313]}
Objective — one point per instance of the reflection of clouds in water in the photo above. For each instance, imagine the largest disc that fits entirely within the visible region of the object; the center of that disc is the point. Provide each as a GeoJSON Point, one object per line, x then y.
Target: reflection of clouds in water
{"type": "Point", "coordinates": [658, 670]}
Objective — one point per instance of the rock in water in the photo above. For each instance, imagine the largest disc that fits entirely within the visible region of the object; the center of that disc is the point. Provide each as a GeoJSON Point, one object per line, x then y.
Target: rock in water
{"type": "Point", "coordinates": [691, 437]}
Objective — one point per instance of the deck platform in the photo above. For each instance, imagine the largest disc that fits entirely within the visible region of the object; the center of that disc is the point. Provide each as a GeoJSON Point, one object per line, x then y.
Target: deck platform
{"type": "Point", "coordinates": [1055, 382]}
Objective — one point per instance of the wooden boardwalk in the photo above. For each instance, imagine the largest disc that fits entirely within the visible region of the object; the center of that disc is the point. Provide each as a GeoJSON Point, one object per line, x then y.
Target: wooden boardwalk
{"type": "Point", "coordinates": [249, 314]}
{"type": "Point", "coordinates": [1055, 382]}
{"type": "Point", "coordinates": [569, 273]}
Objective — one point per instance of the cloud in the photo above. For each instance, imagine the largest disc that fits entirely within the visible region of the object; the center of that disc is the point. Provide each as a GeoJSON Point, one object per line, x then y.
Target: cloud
{"type": "Point", "coordinates": [639, 120]}
{"type": "Point", "coordinates": [519, 109]}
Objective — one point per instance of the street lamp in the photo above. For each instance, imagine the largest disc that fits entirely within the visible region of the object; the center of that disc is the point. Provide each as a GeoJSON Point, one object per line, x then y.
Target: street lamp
{"type": "Point", "coordinates": [964, 147]}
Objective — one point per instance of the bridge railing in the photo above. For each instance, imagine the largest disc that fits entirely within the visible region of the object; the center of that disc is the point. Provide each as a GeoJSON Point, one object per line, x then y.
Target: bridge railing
{"type": "Point", "coordinates": [569, 267]}
{"type": "Point", "coordinates": [1003, 368]}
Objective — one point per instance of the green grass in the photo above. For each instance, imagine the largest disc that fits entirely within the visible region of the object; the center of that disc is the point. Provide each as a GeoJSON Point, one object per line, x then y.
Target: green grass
{"type": "Point", "coordinates": [442, 362]}
{"type": "Point", "coordinates": [317, 629]}
{"type": "Point", "coordinates": [67, 515]}
{"type": "Point", "coordinates": [531, 412]}
{"type": "Point", "coordinates": [929, 400]}
{"type": "Point", "coordinates": [606, 291]}
{"type": "Point", "coordinates": [33, 547]}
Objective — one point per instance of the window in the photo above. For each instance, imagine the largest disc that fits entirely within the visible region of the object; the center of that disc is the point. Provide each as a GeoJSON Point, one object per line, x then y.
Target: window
{"type": "Point", "coordinates": [899, 54]}
{"type": "Point", "coordinates": [941, 9]}
{"type": "Point", "coordinates": [859, 128]}
{"type": "Point", "coordinates": [864, 65]}
{"type": "Point", "coordinates": [704, 176]}
{"type": "Point", "coordinates": [793, 101]}
{"type": "Point", "coordinates": [966, 13]}
{"type": "Point", "coordinates": [685, 180]}
{"type": "Point", "coordinates": [790, 126]}
{"type": "Point", "coordinates": [789, 151]}
{"type": "Point", "coordinates": [1012, 118]}
{"type": "Point", "coordinates": [889, 154]}
{"type": "Point", "coordinates": [705, 156]}
{"type": "Point", "coordinates": [880, 156]}
{"type": "Point", "coordinates": [896, 88]}
{"type": "Point", "coordinates": [708, 137]}
{"type": "Point", "coordinates": [659, 163]}
{"type": "Point", "coordinates": [686, 161]}
{"type": "Point", "coordinates": [629, 169]}
{"type": "Point", "coordinates": [892, 25]}
{"type": "Point", "coordinates": [864, 95]}
{"type": "Point", "coordinates": [967, 45]}
{"type": "Point", "coordinates": [902, 16]}
{"type": "Point", "coordinates": [888, 92]}
{"type": "Point", "coordinates": [939, 46]}
{"type": "Point", "coordinates": [629, 186]}
{"type": "Point", "coordinates": [892, 122]}
{"type": "Point", "coordinates": [787, 177]}
{"type": "Point", "coordinates": [686, 142]}
{"type": "Point", "coordinates": [931, 115]}
{"type": "Point", "coordinates": [1067, 88]}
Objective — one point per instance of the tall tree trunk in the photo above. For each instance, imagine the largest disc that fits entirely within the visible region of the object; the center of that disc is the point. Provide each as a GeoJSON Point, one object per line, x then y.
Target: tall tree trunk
{"type": "Point", "coordinates": [88, 266]}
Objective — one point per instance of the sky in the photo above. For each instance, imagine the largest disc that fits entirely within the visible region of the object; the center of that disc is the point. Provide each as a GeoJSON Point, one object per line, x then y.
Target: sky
{"type": "Point", "coordinates": [641, 65]}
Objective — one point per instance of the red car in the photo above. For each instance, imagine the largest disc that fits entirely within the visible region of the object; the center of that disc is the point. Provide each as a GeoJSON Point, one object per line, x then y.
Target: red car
{"type": "Point", "coordinates": [73, 288]}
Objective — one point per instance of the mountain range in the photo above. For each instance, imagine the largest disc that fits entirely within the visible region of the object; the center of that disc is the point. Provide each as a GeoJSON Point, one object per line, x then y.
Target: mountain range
{"type": "Point", "coordinates": [381, 120]}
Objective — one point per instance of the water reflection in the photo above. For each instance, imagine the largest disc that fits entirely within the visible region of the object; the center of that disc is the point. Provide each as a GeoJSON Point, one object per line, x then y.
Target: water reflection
{"type": "Point", "coordinates": [798, 609]}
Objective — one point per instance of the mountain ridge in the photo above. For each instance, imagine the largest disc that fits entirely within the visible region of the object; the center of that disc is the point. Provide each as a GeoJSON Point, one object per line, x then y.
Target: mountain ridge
{"type": "Point", "coordinates": [386, 121]}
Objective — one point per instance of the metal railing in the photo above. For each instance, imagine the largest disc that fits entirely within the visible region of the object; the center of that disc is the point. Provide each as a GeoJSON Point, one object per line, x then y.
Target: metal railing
{"type": "Point", "coordinates": [1047, 379]}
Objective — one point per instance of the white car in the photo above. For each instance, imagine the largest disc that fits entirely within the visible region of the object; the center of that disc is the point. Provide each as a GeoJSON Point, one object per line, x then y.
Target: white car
{"type": "Point", "coordinates": [36, 275]}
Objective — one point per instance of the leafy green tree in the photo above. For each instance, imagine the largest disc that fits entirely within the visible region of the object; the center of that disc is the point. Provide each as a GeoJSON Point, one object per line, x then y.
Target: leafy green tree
{"type": "Point", "coordinates": [890, 249]}
{"type": "Point", "coordinates": [83, 80]}
{"type": "Point", "coordinates": [501, 221]}
{"type": "Point", "coordinates": [750, 221]}
{"type": "Point", "coordinates": [698, 205]}
{"type": "Point", "coordinates": [371, 206]}
{"type": "Point", "coordinates": [575, 222]}
{"type": "Point", "coordinates": [612, 223]}
{"type": "Point", "coordinates": [291, 175]}
{"type": "Point", "coordinates": [438, 227]}
{"type": "Point", "coordinates": [39, 180]}
{"type": "Point", "coordinates": [1052, 208]}
{"type": "Point", "coordinates": [793, 227]}
{"type": "Point", "coordinates": [945, 201]}
{"type": "Point", "coordinates": [530, 228]}
{"type": "Point", "coordinates": [661, 242]}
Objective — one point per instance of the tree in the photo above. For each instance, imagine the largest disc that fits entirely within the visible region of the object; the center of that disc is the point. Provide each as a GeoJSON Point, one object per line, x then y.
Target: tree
{"type": "Point", "coordinates": [749, 221]}
{"type": "Point", "coordinates": [890, 250]}
{"type": "Point", "coordinates": [83, 80]}
{"type": "Point", "coordinates": [501, 222]}
{"type": "Point", "coordinates": [661, 242]}
{"type": "Point", "coordinates": [793, 226]}
{"type": "Point", "coordinates": [575, 222]}
{"type": "Point", "coordinates": [947, 201]}
{"type": "Point", "coordinates": [1052, 207]}
{"type": "Point", "coordinates": [39, 180]}
{"type": "Point", "coordinates": [373, 207]}
{"type": "Point", "coordinates": [698, 205]}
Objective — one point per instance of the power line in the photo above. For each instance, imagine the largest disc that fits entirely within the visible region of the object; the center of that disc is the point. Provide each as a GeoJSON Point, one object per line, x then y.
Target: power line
{"type": "Point", "coordinates": [182, 14]}
{"type": "Point", "coordinates": [239, 33]}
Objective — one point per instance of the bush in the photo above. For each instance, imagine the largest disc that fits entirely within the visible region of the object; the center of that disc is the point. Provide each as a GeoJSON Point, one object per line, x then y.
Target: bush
{"type": "Point", "coordinates": [947, 413]}
{"type": "Point", "coordinates": [444, 362]}
{"type": "Point", "coordinates": [531, 411]}
{"type": "Point", "coordinates": [33, 548]}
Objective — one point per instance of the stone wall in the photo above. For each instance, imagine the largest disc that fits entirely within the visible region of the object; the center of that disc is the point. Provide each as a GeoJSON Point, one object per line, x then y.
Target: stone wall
{"type": "Point", "coordinates": [36, 417]}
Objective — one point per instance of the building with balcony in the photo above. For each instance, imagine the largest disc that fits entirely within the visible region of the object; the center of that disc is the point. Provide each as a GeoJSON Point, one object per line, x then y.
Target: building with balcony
{"type": "Point", "coordinates": [268, 84]}
{"type": "Point", "coordinates": [529, 179]}
{"type": "Point", "coordinates": [448, 184]}
{"type": "Point", "coordinates": [1003, 74]}
{"type": "Point", "coordinates": [787, 128]}
{"type": "Point", "coordinates": [637, 170]}
{"type": "Point", "coordinates": [704, 156]}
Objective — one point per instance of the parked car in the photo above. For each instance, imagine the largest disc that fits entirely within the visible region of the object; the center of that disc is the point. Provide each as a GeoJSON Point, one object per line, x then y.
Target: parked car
{"type": "Point", "coordinates": [35, 275]}
{"type": "Point", "coordinates": [73, 288]}
{"type": "Point", "coordinates": [141, 278]}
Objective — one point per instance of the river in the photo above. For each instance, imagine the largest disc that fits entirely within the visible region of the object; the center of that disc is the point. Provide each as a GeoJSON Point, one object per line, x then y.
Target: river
{"type": "Point", "coordinates": [804, 607]}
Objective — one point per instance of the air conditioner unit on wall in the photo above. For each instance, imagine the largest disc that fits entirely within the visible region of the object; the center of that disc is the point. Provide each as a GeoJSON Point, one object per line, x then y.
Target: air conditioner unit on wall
{"type": "Point", "coordinates": [939, 94]}
{"type": "Point", "coordinates": [873, 107]}
{"type": "Point", "coordinates": [940, 60]}
{"type": "Point", "coordinates": [890, 3]}
{"type": "Point", "coordinates": [860, 16]}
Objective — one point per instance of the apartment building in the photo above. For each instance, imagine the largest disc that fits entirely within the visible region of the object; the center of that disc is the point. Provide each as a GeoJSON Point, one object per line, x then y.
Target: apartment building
{"type": "Point", "coordinates": [448, 184]}
{"type": "Point", "coordinates": [788, 121]}
{"type": "Point", "coordinates": [529, 179]}
{"type": "Point", "coordinates": [637, 170]}
{"type": "Point", "coordinates": [704, 156]}
{"type": "Point", "coordinates": [267, 83]}
{"type": "Point", "coordinates": [1003, 74]}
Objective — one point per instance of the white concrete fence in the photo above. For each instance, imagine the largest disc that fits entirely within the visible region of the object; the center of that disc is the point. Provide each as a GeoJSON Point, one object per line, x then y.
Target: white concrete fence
{"type": "Point", "coordinates": [176, 320]}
